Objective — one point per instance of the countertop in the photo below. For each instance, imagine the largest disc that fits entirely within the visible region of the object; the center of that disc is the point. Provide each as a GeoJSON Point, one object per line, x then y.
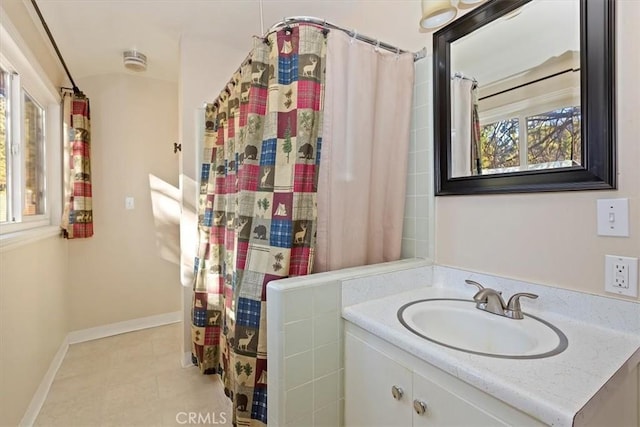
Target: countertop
{"type": "Point", "coordinates": [554, 389]}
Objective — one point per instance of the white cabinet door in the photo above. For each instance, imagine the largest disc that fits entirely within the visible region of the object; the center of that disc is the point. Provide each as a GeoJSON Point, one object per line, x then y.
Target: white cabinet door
{"type": "Point", "coordinates": [446, 409]}
{"type": "Point", "coordinates": [369, 378]}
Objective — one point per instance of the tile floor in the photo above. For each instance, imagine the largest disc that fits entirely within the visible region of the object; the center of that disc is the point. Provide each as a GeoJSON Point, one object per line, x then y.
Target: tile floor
{"type": "Point", "coordinates": [135, 380]}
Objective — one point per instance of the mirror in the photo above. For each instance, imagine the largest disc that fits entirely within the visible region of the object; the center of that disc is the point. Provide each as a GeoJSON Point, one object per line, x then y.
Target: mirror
{"type": "Point", "coordinates": [524, 98]}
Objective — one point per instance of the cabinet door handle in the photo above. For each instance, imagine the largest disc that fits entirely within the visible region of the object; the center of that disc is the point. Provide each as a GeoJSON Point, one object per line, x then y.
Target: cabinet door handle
{"type": "Point", "coordinates": [419, 406]}
{"type": "Point", "coordinates": [397, 392]}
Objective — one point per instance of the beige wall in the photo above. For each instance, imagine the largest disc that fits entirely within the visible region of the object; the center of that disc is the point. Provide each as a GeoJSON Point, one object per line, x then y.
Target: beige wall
{"type": "Point", "coordinates": [33, 319]}
{"type": "Point", "coordinates": [121, 272]}
{"type": "Point", "coordinates": [550, 238]}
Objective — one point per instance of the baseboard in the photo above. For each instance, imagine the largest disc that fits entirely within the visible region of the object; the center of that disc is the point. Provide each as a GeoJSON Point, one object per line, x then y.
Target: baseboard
{"type": "Point", "coordinates": [186, 360]}
{"type": "Point", "coordinates": [41, 393]}
{"type": "Point", "coordinates": [98, 332]}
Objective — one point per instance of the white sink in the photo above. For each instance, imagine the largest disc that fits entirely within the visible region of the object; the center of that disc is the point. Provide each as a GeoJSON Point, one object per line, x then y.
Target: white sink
{"type": "Point", "coordinates": [458, 324]}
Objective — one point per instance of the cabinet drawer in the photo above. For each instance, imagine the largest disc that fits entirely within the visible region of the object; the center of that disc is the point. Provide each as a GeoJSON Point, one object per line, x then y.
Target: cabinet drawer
{"type": "Point", "coordinates": [446, 409]}
{"type": "Point", "coordinates": [369, 377]}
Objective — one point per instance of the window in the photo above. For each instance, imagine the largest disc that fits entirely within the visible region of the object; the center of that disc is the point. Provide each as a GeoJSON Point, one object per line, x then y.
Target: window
{"type": "Point", "coordinates": [527, 140]}
{"type": "Point", "coordinates": [30, 150]}
{"type": "Point", "coordinates": [499, 144]}
{"type": "Point", "coordinates": [22, 141]}
{"type": "Point", "coordinates": [554, 136]}
{"type": "Point", "coordinates": [4, 128]}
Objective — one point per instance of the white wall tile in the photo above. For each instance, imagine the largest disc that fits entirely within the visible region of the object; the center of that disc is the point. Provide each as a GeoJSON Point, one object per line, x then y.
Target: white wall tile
{"type": "Point", "coordinates": [326, 359]}
{"type": "Point", "coordinates": [423, 70]}
{"type": "Point", "coordinates": [422, 230]}
{"type": "Point", "coordinates": [421, 94]}
{"type": "Point", "coordinates": [423, 249]}
{"type": "Point", "coordinates": [423, 204]}
{"type": "Point", "coordinates": [410, 207]}
{"type": "Point", "coordinates": [412, 165]}
{"type": "Point", "coordinates": [411, 186]}
{"type": "Point", "coordinates": [408, 249]}
{"type": "Point", "coordinates": [299, 404]}
{"type": "Point", "coordinates": [423, 164]}
{"type": "Point", "coordinates": [325, 328]}
{"type": "Point", "coordinates": [329, 416]}
{"type": "Point", "coordinates": [298, 337]}
{"type": "Point", "coordinates": [409, 228]}
{"type": "Point", "coordinates": [422, 183]}
{"type": "Point", "coordinates": [305, 421]}
{"type": "Point", "coordinates": [298, 304]}
{"type": "Point", "coordinates": [419, 213]}
{"type": "Point", "coordinates": [326, 298]}
{"type": "Point", "coordinates": [296, 370]}
{"type": "Point", "coordinates": [423, 119]}
{"type": "Point", "coordinates": [325, 390]}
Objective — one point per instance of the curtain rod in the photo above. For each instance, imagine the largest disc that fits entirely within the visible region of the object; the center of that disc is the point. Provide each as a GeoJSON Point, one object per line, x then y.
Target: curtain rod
{"type": "Point", "coordinates": [321, 22]}
{"type": "Point", "coordinates": [352, 33]}
{"type": "Point", "coordinates": [459, 75]}
{"type": "Point", "coordinates": [569, 70]}
{"type": "Point", "coordinates": [75, 88]}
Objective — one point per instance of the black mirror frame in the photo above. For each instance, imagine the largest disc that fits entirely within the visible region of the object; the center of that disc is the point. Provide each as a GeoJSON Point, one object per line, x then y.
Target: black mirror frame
{"type": "Point", "coordinates": [597, 76]}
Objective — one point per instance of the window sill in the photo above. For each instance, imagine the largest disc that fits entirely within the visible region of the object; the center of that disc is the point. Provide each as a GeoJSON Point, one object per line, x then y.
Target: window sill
{"type": "Point", "coordinates": [12, 241]}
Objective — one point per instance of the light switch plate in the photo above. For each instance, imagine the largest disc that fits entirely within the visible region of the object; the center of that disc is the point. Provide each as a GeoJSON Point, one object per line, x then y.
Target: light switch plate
{"type": "Point", "coordinates": [613, 217]}
{"type": "Point", "coordinates": [129, 203]}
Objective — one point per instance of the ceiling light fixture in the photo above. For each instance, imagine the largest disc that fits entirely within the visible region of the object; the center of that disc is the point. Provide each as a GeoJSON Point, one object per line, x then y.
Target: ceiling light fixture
{"type": "Point", "coordinates": [134, 60]}
{"type": "Point", "coordinates": [436, 13]}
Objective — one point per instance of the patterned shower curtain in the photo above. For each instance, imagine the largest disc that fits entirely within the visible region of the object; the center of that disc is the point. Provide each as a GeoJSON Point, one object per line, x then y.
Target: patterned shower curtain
{"type": "Point", "coordinates": [257, 208]}
{"type": "Point", "coordinates": [77, 217]}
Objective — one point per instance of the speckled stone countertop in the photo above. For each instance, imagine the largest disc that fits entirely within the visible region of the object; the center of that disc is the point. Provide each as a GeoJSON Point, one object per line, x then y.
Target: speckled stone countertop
{"type": "Point", "coordinates": [603, 334]}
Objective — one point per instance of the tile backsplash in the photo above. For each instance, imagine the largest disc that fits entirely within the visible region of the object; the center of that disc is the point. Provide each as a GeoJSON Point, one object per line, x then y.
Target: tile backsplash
{"type": "Point", "coordinates": [418, 230]}
{"type": "Point", "coordinates": [305, 364]}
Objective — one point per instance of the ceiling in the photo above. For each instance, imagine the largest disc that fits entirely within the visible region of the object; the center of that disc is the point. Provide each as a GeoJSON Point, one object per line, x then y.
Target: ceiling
{"type": "Point", "coordinates": [92, 34]}
{"type": "Point", "coordinates": [519, 41]}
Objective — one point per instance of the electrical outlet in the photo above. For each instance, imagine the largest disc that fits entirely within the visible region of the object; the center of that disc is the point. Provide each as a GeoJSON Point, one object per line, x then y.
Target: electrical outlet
{"type": "Point", "coordinates": [621, 275]}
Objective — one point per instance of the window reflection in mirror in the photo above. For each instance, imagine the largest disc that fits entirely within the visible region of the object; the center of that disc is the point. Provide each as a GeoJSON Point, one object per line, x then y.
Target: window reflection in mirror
{"type": "Point", "coordinates": [516, 92]}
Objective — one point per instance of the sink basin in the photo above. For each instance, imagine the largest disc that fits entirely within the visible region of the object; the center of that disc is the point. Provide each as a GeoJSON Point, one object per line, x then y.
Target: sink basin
{"type": "Point", "coordinates": [458, 324]}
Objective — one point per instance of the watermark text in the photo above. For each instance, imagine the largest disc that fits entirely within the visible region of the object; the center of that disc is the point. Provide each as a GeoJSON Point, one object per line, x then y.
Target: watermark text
{"type": "Point", "coordinates": [213, 418]}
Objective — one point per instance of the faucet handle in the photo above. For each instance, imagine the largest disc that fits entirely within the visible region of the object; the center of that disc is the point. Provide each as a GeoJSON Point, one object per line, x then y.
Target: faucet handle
{"type": "Point", "coordinates": [513, 306]}
{"type": "Point", "coordinates": [474, 283]}
{"type": "Point", "coordinates": [482, 291]}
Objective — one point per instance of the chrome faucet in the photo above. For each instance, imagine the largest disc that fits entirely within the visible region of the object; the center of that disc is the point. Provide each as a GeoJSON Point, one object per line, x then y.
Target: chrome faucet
{"type": "Point", "coordinates": [490, 300]}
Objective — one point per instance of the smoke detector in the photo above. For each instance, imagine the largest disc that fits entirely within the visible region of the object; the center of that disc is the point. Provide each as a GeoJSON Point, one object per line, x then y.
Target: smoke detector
{"type": "Point", "coordinates": [134, 60]}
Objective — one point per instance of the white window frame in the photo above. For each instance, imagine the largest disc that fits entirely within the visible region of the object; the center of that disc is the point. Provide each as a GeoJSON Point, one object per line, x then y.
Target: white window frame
{"type": "Point", "coordinates": [16, 57]}
{"type": "Point", "coordinates": [521, 110]}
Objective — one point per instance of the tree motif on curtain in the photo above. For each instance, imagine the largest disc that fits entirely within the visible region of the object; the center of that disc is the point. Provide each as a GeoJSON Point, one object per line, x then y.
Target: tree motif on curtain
{"type": "Point", "coordinates": [77, 218]}
{"type": "Point", "coordinates": [257, 209]}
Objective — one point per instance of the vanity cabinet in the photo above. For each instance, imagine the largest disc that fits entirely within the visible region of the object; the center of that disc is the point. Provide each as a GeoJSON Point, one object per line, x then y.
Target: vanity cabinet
{"type": "Point", "coordinates": [386, 386]}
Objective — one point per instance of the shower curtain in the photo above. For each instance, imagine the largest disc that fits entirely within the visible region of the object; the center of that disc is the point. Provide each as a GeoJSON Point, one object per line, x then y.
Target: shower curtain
{"type": "Point", "coordinates": [363, 169]}
{"type": "Point", "coordinates": [266, 194]}
{"type": "Point", "coordinates": [465, 128]}
{"type": "Point", "coordinates": [258, 207]}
